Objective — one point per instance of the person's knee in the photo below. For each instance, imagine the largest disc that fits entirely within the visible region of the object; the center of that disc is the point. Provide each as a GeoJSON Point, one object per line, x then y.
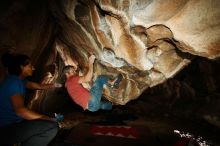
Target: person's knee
{"type": "Point", "coordinates": [93, 106]}
{"type": "Point", "coordinates": [51, 129]}
{"type": "Point", "coordinates": [53, 126]}
{"type": "Point", "coordinates": [103, 79]}
{"type": "Point", "coordinates": [45, 125]}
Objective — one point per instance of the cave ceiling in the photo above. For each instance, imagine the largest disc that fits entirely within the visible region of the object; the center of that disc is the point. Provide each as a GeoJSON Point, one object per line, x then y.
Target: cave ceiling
{"type": "Point", "coordinates": [147, 41]}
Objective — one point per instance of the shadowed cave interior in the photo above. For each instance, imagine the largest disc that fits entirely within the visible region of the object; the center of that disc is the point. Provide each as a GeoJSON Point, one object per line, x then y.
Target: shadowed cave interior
{"type": "Point", "coordinates": [169, 60]}
{"type": "Point", "coordinates": [185, 103]}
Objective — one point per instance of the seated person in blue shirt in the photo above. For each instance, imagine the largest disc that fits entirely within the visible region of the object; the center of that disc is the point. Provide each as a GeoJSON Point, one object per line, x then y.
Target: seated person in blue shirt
{"type": "Point", "coordinates": [18, 124]}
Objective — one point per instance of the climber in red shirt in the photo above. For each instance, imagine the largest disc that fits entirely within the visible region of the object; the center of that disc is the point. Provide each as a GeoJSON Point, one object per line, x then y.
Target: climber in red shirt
{"type": "Point", "coordinates": [88, 99]}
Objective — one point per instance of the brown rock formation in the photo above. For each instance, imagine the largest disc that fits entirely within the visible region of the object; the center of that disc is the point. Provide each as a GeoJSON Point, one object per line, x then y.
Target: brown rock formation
{"type": "Point", "coordinates": [146, 41]}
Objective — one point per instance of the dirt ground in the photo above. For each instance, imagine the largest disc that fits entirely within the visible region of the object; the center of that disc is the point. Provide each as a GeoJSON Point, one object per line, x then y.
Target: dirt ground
{"type": "Point", "coordinates": [149, 126]}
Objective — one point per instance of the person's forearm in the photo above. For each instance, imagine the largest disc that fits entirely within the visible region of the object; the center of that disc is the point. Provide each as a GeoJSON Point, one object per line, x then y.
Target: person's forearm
{"type": "Point", "coordinates": [45, 86]}
{"type": "Point", "coordinates": [89, 74]}
{"type": "Point", "coordinates": [28, 114]}
{"type": "Point", "coordinates": [37, 86]}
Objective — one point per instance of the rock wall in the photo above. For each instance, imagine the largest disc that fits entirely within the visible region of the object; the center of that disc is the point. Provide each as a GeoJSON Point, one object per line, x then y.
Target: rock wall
{"type": "Point", "coordinates": [146, 41]}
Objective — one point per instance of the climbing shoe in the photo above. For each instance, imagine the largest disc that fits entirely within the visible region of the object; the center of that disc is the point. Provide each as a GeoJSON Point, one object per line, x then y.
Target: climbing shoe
{"type": "Point", "coordinates": [117, 82]}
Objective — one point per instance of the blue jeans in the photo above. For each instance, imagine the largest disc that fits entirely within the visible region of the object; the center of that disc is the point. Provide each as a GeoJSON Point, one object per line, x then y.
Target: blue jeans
{"type": "Point", "coordinates": [96, 92]}
{"type": "Point", "coordinates": [29, 133]}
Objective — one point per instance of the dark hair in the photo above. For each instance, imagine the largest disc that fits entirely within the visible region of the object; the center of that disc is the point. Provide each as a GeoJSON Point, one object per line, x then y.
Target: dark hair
{"type": "Point", "coordinates": [67, 68]}
{"type": "Point", "coordinates": [14, 62]}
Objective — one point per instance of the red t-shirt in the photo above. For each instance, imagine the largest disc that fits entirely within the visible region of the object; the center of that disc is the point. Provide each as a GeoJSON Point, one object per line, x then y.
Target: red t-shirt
{"type": "Point", "coordinates": [77, 92]}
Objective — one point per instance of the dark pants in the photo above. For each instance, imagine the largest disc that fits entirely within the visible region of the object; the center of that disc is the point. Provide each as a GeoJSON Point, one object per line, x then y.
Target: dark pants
{"type": "Point", "coordinates": [29, 133]}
